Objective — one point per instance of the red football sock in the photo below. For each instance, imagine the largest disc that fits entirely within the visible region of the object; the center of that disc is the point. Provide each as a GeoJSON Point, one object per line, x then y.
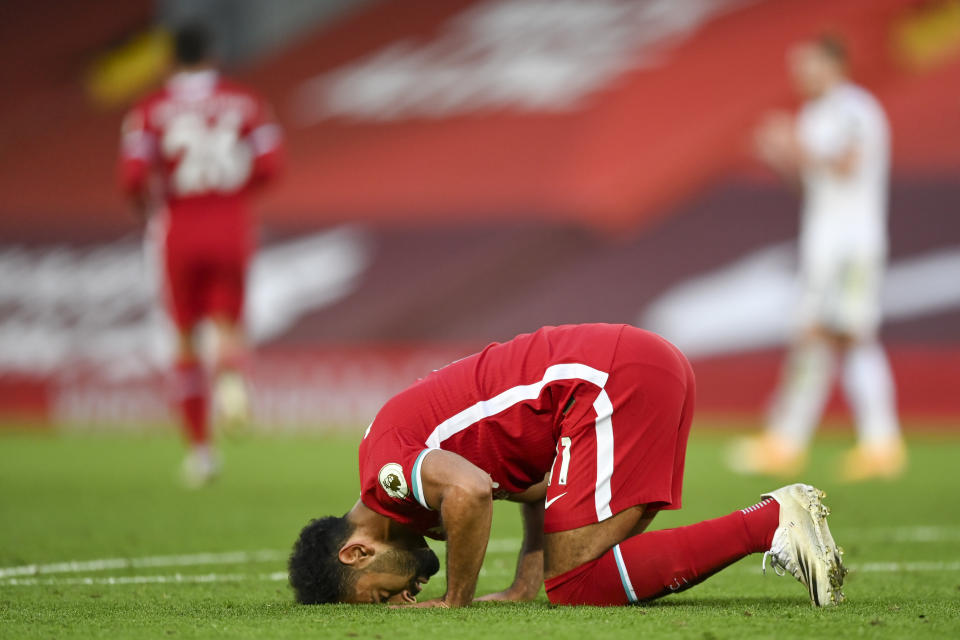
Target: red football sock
{"type": "Point", "coordinates": [191, 395]}
{"type": "Point", "coordinates": [654, 564]}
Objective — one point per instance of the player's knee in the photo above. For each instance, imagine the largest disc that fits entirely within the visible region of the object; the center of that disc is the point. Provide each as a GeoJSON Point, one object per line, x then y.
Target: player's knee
{"type": "Point", "coordinates": [186, 349]}
{"type": "Point", "coordinates": [595, 583]}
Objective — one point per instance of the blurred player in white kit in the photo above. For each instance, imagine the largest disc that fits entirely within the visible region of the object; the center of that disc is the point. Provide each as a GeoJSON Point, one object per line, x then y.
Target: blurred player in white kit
{"type": "Point", "coordinates": [838, 148]}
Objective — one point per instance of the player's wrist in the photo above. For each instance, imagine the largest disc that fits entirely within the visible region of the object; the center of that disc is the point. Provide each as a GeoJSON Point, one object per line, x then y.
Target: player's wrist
{"type": "Point", "coordinates": [523, 591]}
{"type": "Point", "coordinates": [458, 597]}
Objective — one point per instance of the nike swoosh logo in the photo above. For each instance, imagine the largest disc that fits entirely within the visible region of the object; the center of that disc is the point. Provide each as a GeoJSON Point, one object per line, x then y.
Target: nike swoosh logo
{"type": "Point", "coordinates": [546, 505]}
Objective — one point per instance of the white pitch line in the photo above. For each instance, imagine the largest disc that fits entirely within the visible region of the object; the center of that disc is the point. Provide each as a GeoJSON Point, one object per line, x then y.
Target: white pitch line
{"type": "Point", "coordinates": [898, 567]}
{"type": "Point", "coordinates": [182, 560]}
{"type": "Point", "coordinates": [185, 560]}
{"type": "Point", "coordinates": [177, 578]}
{"type": "Point", "coordinates": [281, 576]}
{"type": "Point", "coordinates": [914, 534]}
{"type": "Point", "coordinates": [909, 567]}
{"type": "Point", "coordinates": [920, 533]}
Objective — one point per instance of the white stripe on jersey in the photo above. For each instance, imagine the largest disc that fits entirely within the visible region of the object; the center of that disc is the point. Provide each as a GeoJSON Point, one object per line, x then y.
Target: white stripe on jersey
{"type": "Point", "coordinates": [515, 395]}
{"type": "Point", "coordinates": [601, 497]}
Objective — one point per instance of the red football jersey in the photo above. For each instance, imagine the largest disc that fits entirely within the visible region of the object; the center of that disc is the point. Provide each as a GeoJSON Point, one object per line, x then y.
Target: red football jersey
{"type": "Point", "coordinates": [502, 409]}
{"type": "Point", "coordinates": [205, 141]}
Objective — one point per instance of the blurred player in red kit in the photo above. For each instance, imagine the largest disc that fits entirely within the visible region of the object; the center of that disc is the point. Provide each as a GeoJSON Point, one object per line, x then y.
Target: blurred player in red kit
{"type": "Point", "coordinates": [191, 154]}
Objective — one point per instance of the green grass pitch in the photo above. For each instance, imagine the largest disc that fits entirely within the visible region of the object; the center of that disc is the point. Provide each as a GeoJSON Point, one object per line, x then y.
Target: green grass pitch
{"type": "Point", "coordinates": [87, 499]}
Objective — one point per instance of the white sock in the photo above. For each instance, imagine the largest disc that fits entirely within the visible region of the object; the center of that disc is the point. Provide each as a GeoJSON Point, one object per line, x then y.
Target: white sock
{"type": "Point", "coordinates": [202, 452]}
{"type": "Point", "coordinates": [868, 385]}
{"type": "Point", "coordinates": [804, 389]}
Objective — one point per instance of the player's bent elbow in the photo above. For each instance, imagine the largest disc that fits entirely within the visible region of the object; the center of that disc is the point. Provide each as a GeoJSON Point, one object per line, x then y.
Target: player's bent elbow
{"type": "Point", "coordinates": [475, 489]}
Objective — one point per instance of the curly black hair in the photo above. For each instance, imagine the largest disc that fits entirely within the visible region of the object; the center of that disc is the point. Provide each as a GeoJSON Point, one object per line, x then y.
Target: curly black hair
{"type": "Point", "coordinates": [316, 573]}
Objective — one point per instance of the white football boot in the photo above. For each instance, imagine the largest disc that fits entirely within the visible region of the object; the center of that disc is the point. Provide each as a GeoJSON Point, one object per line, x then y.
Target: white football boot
{"type": "Point", "coordinates": [200, 467]}
{"type": "Point", "coordinates": [803, 546]}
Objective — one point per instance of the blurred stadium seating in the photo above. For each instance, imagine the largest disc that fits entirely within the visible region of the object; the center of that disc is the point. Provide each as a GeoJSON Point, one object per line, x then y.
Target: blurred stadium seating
{"type": "Point", "coordinates": [464, 171]}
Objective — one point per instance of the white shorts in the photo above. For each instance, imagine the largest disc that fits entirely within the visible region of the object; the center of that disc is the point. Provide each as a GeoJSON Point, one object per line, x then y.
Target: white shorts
{"type": "Point", "coordinates": [842, 296]}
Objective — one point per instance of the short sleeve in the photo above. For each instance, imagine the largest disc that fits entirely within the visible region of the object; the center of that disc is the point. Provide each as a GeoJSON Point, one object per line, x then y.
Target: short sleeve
{"type": "Point", "coordinates": [397, 467]}
{"type": "Point", "coordinates": [391, 479]}
{"type": "Point", "coordinates": [416, 483]}
{"type": "Point", "coordinates": [138, 150]}
{"type": "Point", "coordinates": [265, 138]}
{"type": "Point", "coordinates": [137, 141]}
{"type": "Point", "coordinates": [265, 135]}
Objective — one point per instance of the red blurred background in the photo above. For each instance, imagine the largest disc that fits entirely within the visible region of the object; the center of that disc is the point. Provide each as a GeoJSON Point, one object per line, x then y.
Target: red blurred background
{"type": "Point", "coordinates": [464, 171]}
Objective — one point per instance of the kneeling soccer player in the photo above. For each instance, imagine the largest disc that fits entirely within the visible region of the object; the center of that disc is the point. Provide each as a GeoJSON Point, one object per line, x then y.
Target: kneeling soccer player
{"type": "Point", "coordinates": [586, 426]}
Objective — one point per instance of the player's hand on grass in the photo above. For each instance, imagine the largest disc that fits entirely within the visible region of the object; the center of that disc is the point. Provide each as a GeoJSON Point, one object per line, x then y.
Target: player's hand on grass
{"type": "Point", "coordinates": [529, 576]}
{"type": "Point", "coordinates": [436, 603]}
{"type": "Point", "coordinates": [509, 595]}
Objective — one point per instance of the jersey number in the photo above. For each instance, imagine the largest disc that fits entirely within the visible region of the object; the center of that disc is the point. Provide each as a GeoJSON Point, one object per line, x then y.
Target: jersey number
{"type": "Point", "coordinates": [212, 155]}
{"type": "Point", "coordinates": [564, 460]}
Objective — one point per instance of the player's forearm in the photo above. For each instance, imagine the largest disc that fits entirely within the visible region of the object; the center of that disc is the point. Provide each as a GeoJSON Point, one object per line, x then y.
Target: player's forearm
{"type": "Point", "coordinates": [789, 171]}
{"type": "Point", "coordinates": [267, 143]}
{"type": "Point", "coordinates": [133, 176]}
{"type": "Point", "coordinates": [266, 167]}
{"type": "Point", "coordinates": [140, 205]}
{"type": "Point", "coordinates": [467, 516]}
{"type": "Point", "coordinates": [526, 583]}
{"type": "Point", "coordinates": [842, 165]}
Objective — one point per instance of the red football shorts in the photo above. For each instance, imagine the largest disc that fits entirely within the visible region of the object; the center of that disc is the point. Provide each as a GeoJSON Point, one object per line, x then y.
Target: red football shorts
{"type": "Point", "coordinates": [630, 449]}
{"type": "Point", "coordinates": [204, 273]}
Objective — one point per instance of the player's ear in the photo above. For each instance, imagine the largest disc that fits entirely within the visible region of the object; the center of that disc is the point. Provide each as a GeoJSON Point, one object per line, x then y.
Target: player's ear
{"type": "Point", "coordinates": [356, 554]}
